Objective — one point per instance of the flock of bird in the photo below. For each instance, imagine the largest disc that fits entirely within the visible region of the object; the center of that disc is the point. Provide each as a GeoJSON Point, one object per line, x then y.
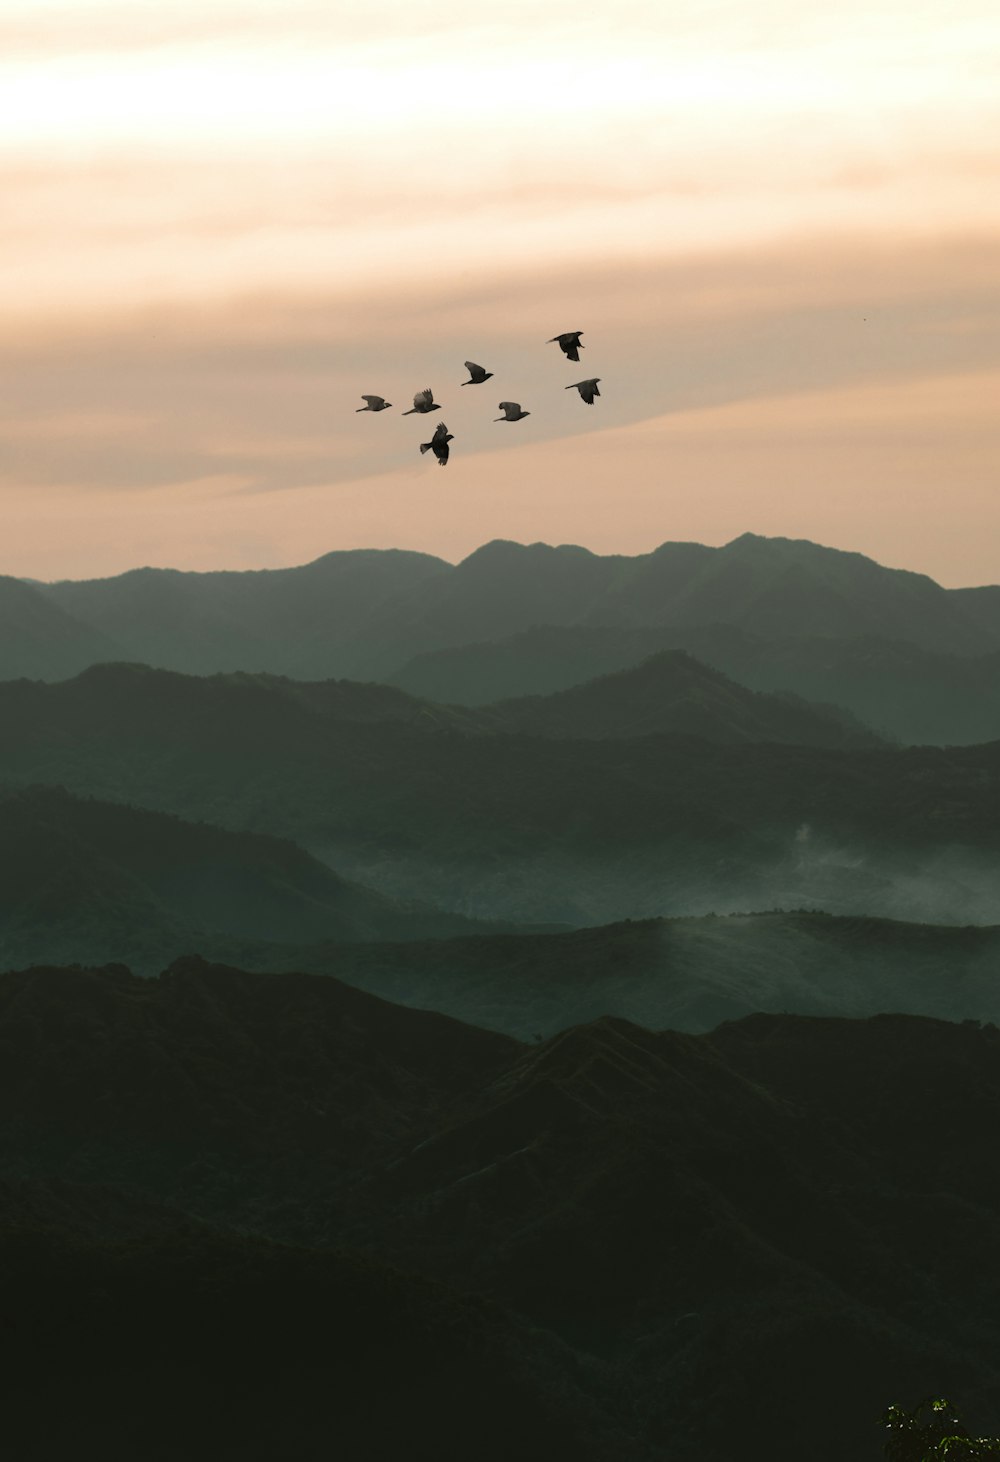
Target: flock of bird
{"type": "Point", "coordinates": [423, 401]}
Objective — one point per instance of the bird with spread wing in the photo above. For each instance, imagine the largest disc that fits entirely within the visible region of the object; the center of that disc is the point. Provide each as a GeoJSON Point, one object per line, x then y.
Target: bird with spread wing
{"type": "Point", "coordinates": [423, 402]}
{"type": "Point", "coordinates": [375, 403]}
{"type": "Point", "coordinates": [476, 374]}
{"type": "Point", "coordinates": [569, 344]}
{"type": "Point", "coordinates": [438, 444]}
{"type": "Point", "coordinates": [587, 389]}
{"type": "Point", "coordinates": [511, 411]}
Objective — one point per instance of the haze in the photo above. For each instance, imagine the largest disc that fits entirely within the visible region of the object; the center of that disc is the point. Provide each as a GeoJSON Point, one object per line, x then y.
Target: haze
{"type": "Point", "coordinates": [776, 224]}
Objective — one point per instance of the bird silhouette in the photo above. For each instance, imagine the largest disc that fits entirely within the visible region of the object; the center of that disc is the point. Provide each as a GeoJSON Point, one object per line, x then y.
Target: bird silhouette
{"type": "Point", "coordinates": [569, 344]}
{"type": "Point", "coordinates": [423, 402]}
{"type": "Point", "coordinates": [587, 389]}
{"type": "Point", "coordinates": [438, 444]}
{"type": "Point", "coordinates": [511, 411]}
{"type": "Point", "coordinates": [375, 403]}
{"type": "Point", "coordinates": [476, 374]}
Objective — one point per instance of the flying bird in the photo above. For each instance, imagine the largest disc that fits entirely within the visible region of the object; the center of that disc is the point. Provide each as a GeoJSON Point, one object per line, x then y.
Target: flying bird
{"type": "Point", "coordinates": [423, 402]}
{"type": "Point", "coordinates": [476, 374]}
{"type": "Point", "coordinates": [511, 411]}
{"type": "Point", "coordinates": [438, 444]}
{"type": "Point", "coordinates": [375, 403]}
{"type": "Point", "coordinates": [569, 344]}
{"type": "Point", "coordinates": [587, 389]}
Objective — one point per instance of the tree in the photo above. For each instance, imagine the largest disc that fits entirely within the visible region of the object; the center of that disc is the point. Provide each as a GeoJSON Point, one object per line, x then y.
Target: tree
{"type": "Point", "coordinates": [933, 1432]}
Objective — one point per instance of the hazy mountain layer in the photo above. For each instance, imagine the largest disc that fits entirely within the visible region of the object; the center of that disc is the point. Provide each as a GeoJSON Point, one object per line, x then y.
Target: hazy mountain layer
{"type": "Point", "coordinates": [532, 829]}
{"type": "Point", "coordinates": [672, 693]}
{"type": "Point", "coordinates": [364, 613]}
{"type": "Point", "coordinates": [301, 621]}
{"type": "Point", "coordinates": [109, 882]}
{"type": "Point", "coordinates": [908, 693]}
{"type": "Point", "coordinates": [100, 881]}
{"type": "Point", "coordinates": [39, 639]}
{"type": "Point", "coordinates": [785, 1220]}
{"type": "Point", "coordinates": [687, 974]}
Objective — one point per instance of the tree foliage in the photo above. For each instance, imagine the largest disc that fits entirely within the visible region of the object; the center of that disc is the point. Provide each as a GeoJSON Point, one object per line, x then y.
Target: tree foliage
{"type": "Point", "coordinates": [933, 1432]}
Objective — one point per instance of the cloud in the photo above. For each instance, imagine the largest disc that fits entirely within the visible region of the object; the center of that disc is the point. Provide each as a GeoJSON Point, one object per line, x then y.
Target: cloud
{"type": "Point", "coordinates": [223, 223]}
{"type": "Point", "coordinates": [266, 387]}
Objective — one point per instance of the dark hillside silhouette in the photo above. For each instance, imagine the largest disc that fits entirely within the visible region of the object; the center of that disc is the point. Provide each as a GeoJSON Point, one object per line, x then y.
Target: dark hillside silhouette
{"type": "Point", "coordinates": [735, 1232]}
{"type": "Point", "coordinates": [268, 1351]}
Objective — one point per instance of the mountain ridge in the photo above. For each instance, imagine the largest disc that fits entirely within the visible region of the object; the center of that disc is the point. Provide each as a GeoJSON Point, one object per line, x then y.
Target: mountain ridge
{"type": "Point", "coordinates": [898, 689]}
{"type": "Point", "coordinates": [366, 612]}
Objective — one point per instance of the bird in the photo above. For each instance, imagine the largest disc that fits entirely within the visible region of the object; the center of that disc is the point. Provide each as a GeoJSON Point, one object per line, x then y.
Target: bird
{"type": "Point", "coordinates": [587, 389]}
{"type": "Point", "coordinates": [375, 403]}
{"type": "Point", "coordinates": [476, 374]}
{"type": "Point", "coordinates": [569, 344]}
{"type": "Point", "coordinates": [511, 411]}
{"type": "Point", "coordinates": [423, 402]}
{"type": "Point", "coordinates": [438, 444]}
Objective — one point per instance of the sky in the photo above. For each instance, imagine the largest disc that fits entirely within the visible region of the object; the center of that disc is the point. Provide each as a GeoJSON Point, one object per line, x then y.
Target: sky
{"type": "Point", "coordinates": [775, 221]}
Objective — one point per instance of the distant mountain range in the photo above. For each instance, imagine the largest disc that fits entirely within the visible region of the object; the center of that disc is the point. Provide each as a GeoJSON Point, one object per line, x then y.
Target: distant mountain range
{"type": "Point", "coordinates": [427, 805]}
{"type": "Point", "coordinates": [733, 1244]}
{"type": "Point", "coordinates": [365, 613]}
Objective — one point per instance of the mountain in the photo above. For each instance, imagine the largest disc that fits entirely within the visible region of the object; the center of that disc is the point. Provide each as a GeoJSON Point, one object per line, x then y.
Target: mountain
{"type": "Point", "coordinates": [981, 605]}
{"type": "Point", "coordinates": [764, 586]}
{"type": "Point", "coordinates": [687, 974]}
{"type": "Point", "coordinates": [107, 882]}
{"type": "Point", "coordinates": [38, 638]}
{"type": "Point", "coordinates": [541, 660]}
{"type": "Point", "coordinates": [297, 621]}
{"type": "Point", "coordinates": [103, 881]}
{"type": "Point", "coordinates": [268, 1351]}
{"type": "Point", "coordinates": [364, 613]}
{"type": "Point", "coordinates": [529, 829]}
{"type": "Point", "coordinates": [672, 693]}
{"type": "Point", "coordinates": [746, 1241]}
{"type": "Point", "coordinates": [905, 692]}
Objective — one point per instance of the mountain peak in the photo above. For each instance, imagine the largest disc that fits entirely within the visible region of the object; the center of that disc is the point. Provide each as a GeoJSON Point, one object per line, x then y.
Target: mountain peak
{"type": "Point", "coordinates": [509, 551]}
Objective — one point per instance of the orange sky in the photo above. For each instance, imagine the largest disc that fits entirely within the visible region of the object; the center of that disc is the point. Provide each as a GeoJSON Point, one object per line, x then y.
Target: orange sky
{"type": "Point", "coordinates": [776, 223]}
